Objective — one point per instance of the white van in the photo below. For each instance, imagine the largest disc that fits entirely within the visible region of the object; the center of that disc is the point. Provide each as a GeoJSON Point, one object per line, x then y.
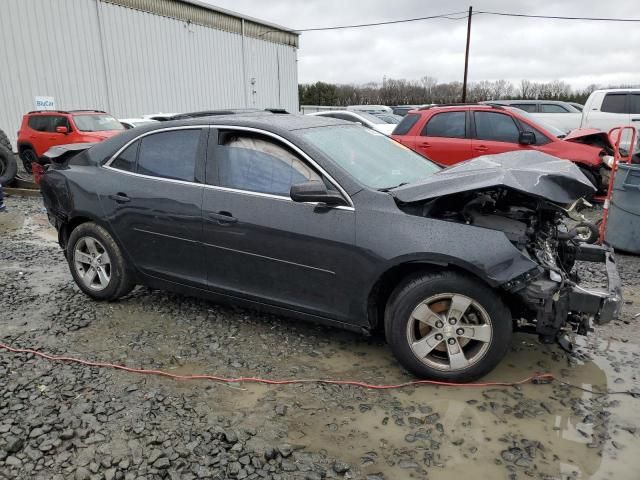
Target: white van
{"type": "Point", "coordinates": [606, 109]}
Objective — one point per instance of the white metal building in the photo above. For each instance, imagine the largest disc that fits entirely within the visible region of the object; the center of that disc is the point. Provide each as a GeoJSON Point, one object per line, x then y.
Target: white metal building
{"type": "Point", "coordinates": [135, 57]}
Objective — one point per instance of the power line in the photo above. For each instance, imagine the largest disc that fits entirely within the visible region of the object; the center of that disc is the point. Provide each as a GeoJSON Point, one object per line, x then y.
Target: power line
{"type": "Point", "coordinates": [559, 17]}
{"type": "Point", "coordinates": [463, 15]}
{"type": "Point", "coordinates": [448, 16]}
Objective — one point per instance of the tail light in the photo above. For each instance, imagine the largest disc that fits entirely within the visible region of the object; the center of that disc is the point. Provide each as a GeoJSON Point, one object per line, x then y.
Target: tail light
{"type": "Point", "coordinates": [38, 171]}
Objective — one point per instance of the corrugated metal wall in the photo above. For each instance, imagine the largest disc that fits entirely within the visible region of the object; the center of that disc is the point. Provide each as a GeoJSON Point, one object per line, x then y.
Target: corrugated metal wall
{"type": "Point", "coordinates": [95, 54]}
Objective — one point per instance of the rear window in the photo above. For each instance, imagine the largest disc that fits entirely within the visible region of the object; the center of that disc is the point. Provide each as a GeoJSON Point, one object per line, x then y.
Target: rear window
{"type": "Point", "coordinates": [634, 103]}
{"type": "Point", "coordinates": [614, 103]}
{"type": "Point", "coordinates": [406, 124]}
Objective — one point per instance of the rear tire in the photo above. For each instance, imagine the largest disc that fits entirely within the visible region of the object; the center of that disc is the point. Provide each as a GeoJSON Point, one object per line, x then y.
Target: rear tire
{"type": "Point", "coordinates": [446, 326]}
{"type": "Point", "coordinates": [4, 141]}
{"type": "Point", "coordinates": [28, 157]}
{"type": "Point", "coordinates": [8, 166]}
{"type": "Point", "coordinates": [97, 264]}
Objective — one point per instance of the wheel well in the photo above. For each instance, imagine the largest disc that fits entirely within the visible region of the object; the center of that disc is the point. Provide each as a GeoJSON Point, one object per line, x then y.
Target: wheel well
{"type": "Point", "coordinates": [386, 284]}
{"type": "Point", "coordinates": [67, 228]}
{"type": "Point", "coordinates": [24, 146]}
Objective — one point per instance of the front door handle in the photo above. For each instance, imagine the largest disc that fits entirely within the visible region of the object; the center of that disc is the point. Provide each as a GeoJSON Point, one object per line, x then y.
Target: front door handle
{"type": "Point", "coordinates": [120, 197]}
{"type": "Point", "coordinates": [223, 217]}
{"type": "Point", "coordinates": [481, 148]}
{"type": "Point", "coordinates": [635, 119]}
{"type": "Point", "coordinates": [425, 144]}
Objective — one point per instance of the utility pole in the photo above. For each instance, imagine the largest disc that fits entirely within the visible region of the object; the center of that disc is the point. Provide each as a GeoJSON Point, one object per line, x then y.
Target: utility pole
{"type": "Point", "coordinates": [466, 57]}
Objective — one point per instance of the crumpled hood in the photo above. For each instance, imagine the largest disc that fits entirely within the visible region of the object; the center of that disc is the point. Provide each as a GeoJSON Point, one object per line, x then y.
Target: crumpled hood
{"type": "Point", "coordinates": [533, 172]}
{"type": "Point", "coordinates": [589, 136]}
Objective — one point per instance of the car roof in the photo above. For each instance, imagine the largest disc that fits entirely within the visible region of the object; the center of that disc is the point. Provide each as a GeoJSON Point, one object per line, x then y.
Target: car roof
{"type": "Point", "coordinates": [457, 106]}
{"type": "Point", "coordinates": [617, 90]}
{"type": "Point", "coordinates": [531, 102]}
{"type": "Point", "coordinates": [351, 112]}
{"type": "Point", "coordinates": [65, 112]}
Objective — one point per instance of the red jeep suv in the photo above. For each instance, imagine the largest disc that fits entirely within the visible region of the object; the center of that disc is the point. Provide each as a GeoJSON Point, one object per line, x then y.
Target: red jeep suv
{"type": "Point", "coordinates": [44, 129]}
{"type": "Point", "coordinates": [452, 134]}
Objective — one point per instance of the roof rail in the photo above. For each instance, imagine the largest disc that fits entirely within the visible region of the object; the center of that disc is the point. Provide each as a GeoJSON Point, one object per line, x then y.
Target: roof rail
{"type": "Point", "coordinates": [46, 111]}
{"type": "Point", "coordinates": [499, 107]}
{"type": "Point", "coordinates": [87, 110]}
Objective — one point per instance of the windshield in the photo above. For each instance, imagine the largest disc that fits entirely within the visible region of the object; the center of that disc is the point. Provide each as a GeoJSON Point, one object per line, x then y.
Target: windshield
{"type": "Point", "coordinates": [555, 131]}
{"type": "Point", "coordinates": [96, 123]}
{"type": "Point", "coordinates": [372, 158]}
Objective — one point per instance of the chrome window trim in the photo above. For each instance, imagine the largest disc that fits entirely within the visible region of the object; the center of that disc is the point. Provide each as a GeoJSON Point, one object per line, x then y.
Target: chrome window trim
{"type": "Point", "coordinates": [306, 157]}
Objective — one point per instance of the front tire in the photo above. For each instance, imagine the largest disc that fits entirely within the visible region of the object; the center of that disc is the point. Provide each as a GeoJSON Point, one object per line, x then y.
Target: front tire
{"type": "Point", "coordinates": [97, 264]}
{"type": "Point", "coordinates": [446, 326]}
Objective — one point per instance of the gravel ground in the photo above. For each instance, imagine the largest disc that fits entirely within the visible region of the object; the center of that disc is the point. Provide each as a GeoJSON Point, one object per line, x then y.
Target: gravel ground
{"type": "Point", "coordinates": [68, 421]}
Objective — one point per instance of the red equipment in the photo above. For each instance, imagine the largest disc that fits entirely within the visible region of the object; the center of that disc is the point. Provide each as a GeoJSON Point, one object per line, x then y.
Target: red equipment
{"type": "Point", "coordinates": [617, 158]}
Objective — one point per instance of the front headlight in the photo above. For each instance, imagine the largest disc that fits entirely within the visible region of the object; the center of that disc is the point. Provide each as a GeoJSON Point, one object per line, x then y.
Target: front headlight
{"type": "Point", "coordinates": [608, 160]}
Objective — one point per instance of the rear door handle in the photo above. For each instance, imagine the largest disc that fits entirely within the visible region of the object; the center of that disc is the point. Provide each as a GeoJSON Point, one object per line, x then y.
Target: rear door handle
{"type": "Point", "coordinates": [635, 119]}
{"type": "Point", "coordinates": [120, 197]}
{"type": "Point", "coordinates": [222, 217]}
{"type": "Point", "coordinates": [481, 148]}
{"type": "Point", "coordinates": [425, 144]}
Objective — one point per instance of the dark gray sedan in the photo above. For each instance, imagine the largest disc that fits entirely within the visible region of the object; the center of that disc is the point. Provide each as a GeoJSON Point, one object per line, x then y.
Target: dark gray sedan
{"type": "Point", "coordinates": [323, 220]}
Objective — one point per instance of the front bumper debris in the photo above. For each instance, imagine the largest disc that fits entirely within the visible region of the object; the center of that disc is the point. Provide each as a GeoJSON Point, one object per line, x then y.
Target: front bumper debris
{"type": "Point", "coordinates": [604, 305]}
{"type": "Point", "coordinates": [557, 304]}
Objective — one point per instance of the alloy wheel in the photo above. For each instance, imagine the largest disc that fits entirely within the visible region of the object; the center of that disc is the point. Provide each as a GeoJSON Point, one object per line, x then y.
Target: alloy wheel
{"type": "Point", "coordinates": [449, 332]}
{"type": "Point", "coordinates": [92, 263]}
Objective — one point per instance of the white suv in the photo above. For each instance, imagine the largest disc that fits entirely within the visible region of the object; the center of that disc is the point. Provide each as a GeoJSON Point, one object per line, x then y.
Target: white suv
{"type": "Point", "coordinates": [606, 109]}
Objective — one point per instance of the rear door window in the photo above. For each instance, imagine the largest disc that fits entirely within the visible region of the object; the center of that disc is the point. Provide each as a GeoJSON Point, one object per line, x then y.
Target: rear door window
{"type": "Point", "coordinates": [46, 123]}
{"type": "Point", "coordinates": [406, 124]}
{"type": "Point", "coordinates": [171, 154]}
{"type": "Point", "coordinates": [448, 125]}
{"type": "Point", "coordinates": [527, 107]}
{"type": "Point", "coordinates": [614, 103]}
{"type": "Point", "coordinates": [552, 108]}
{"type": "Point", "coordinates": [496, 126]}
{"type": "Point", "coordinates": [256, 163]}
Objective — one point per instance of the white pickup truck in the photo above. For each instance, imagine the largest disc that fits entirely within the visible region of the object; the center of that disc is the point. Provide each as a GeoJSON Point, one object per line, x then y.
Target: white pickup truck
{"type": "Point", "coordinates": [618, 107]}
{"type": "Point", "coordinates": [606, 109]}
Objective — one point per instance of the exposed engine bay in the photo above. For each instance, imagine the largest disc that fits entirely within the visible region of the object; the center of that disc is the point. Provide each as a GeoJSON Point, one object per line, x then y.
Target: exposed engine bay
{"type": "Point", "coordinates": [550, 300]}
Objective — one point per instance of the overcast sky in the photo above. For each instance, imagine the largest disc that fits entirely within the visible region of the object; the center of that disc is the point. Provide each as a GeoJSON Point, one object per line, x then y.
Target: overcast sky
{"type": "Point", "coordinates": [577, 52]}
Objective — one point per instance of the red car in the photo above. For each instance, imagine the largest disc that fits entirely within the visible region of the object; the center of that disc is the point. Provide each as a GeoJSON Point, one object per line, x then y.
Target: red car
{"type": "Point", "coordinates": [452, 134]}
{"type": "Point", "coordinates": [42, 130]}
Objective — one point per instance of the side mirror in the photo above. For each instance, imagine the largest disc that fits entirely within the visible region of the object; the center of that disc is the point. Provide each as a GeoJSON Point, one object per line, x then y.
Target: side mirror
{"type": "Point", "coordinates": [527, 138]}
{"type": "Point", "coordinates": [314, 191]}
{"type": "Point", "coordinates": [62, 129]}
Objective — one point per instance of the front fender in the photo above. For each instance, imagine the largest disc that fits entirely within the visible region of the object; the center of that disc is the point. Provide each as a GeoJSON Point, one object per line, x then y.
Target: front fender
{"type": "Point", "coordinates": [401, 238]}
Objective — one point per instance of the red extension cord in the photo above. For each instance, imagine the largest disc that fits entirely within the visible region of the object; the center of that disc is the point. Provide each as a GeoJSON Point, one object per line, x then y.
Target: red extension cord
{"type": "Point", "coordinates": [542, 378]}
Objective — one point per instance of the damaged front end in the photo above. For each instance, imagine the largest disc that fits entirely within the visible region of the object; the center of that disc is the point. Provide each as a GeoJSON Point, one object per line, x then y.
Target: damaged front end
{"type": "Point", "coordinates": [533, 200]}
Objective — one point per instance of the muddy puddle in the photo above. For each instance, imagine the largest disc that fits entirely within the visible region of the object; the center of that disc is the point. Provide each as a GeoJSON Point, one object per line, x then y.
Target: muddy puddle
{"type": "Point", "coordinates": [540, 431]}
{"type": "Point", "coordinates": [546, 432]}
